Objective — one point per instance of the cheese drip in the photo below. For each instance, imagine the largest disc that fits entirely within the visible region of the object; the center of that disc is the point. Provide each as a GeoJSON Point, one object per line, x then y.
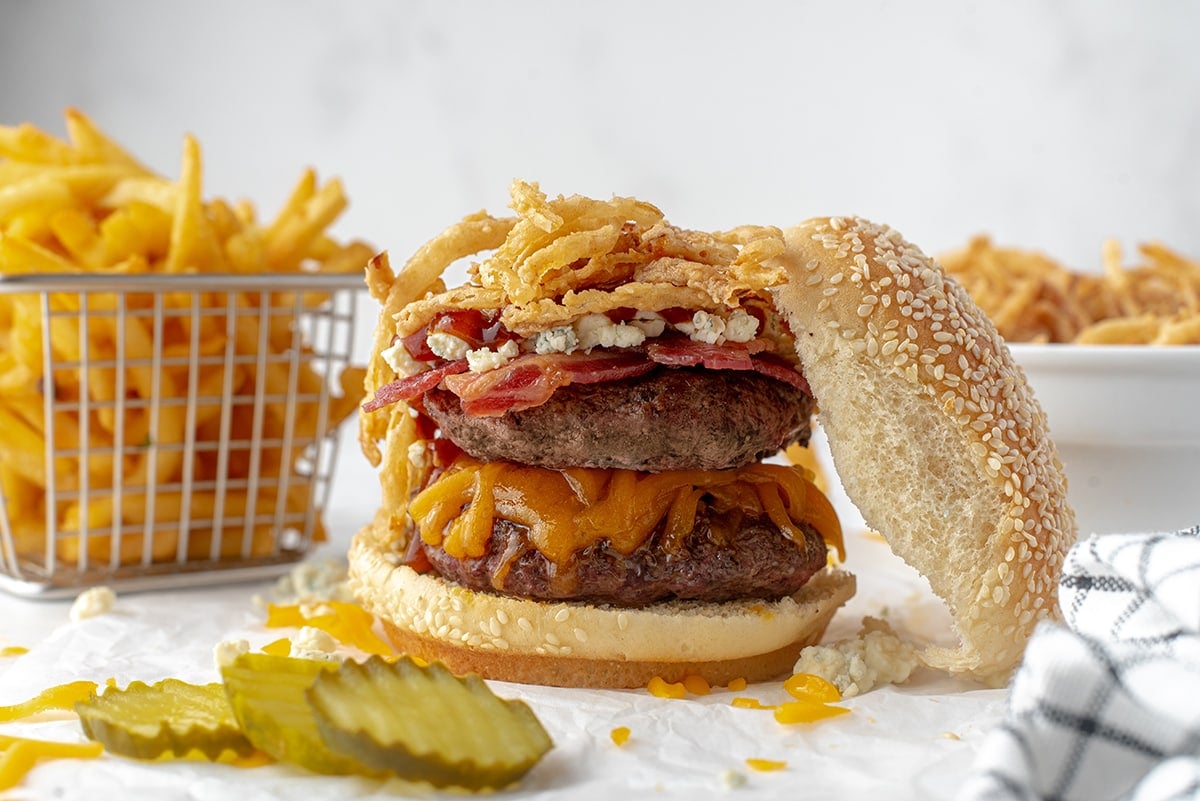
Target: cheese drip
{"type": "Point", "coordinates": [565, 511]}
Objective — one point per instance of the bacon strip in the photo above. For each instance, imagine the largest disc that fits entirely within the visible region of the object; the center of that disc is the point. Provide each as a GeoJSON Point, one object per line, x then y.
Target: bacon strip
{"type": "Point", "coordinates": [530, 379]}
{"type": "Point", "coordinates": [686, 353]}
{"type": "Point", "coordinates": [772, 366]}
{"type": "Point", "coordinates": [413, 386]}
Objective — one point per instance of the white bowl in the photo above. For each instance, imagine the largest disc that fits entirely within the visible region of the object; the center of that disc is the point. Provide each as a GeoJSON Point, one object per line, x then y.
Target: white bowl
{"type": "Point", "coordinates": [1126, 420]}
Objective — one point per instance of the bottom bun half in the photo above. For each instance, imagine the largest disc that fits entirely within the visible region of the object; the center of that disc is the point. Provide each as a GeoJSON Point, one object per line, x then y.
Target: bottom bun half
{"type": "Point", "coordinates": [568, 644]}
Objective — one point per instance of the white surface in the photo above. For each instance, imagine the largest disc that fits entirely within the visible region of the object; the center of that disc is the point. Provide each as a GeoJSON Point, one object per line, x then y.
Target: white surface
{"type": "Point", "coordinates": [1125, 423]}
{"type": "Point", "coordinates": [913, 742]}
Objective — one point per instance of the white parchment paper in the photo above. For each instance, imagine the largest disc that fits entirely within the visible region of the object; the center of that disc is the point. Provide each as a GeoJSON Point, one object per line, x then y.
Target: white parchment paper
{"type": "Point", "coordinates": [911, 742]}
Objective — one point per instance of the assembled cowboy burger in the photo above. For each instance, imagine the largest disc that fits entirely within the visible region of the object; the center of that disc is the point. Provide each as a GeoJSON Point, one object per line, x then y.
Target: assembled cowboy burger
{"type": "Point", "coordinates": [574, 490]}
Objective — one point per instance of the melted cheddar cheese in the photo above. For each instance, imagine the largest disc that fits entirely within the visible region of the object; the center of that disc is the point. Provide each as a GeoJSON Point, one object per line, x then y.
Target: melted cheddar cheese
{"type": "Point", "coordinates": [565, 511]}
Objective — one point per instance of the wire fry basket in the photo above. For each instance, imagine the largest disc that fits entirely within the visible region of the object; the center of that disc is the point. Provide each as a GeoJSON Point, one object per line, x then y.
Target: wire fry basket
{"type": "Point", "coordinates": [168, 430]}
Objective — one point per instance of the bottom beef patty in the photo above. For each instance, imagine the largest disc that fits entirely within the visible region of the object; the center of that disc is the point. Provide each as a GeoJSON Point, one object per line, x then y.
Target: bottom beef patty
{"type": "Point", "coordinates": [668, 419]}
{"type": "Point", "coordinates": [712, 563]}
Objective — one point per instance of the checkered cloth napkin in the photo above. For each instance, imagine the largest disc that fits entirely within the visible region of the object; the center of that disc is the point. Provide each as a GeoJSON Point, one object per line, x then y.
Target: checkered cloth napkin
{"type": "Point", "coordinates": [1107, 707]}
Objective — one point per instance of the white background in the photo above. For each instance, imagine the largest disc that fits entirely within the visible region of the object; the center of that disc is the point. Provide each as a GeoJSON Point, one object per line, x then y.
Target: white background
{"type": "Point", "coordinates": [1052, 125]}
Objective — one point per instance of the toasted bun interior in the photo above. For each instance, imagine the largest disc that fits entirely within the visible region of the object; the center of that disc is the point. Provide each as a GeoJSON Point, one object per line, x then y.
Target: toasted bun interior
{"type": "Point", "coordinates": [934, 432]}
{"type": "Point", "coordinates": [582, 645]}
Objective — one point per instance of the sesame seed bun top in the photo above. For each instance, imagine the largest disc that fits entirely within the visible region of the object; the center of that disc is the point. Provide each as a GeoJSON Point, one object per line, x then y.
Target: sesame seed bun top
{"type": "Point", "coordinates": [934, 432]}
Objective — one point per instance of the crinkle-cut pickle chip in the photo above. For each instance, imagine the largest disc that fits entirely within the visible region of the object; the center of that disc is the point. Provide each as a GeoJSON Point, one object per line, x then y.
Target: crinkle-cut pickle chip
{"type": "Point", "coordinates": [423, 723]}
{"type": "Point", "coordinates": [170, 717]}
{"type": "Point", "coordinates": [267, 696]}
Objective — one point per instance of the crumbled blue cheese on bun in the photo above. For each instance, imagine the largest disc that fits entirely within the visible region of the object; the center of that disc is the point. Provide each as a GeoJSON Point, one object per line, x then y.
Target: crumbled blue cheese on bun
{"type": "Point", "coordinates": [398, 358]}
{"type": "Point", "coordinates": [652, 324]}
{"type": "Point", "coordinates": [596, 330]}
{"type": "Point", "coordinates": [704, 327]}
{"type": "Point", "coordinates": [741, 327]}
{"type": "Point", "coordinates": [481, 360]}
{"type": "Point", "coordinates": [561, 339]}
{"type": "Point", "coordinates": [447, 346]}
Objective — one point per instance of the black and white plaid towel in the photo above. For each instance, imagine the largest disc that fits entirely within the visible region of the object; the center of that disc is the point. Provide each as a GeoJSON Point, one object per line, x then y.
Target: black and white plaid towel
{"type": "Point", "coordinates": [1107, 707]}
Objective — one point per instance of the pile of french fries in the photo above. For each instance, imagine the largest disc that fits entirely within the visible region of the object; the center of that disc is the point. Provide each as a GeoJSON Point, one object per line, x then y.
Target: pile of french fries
{"type": "Point", "coordinates": [180, 420]}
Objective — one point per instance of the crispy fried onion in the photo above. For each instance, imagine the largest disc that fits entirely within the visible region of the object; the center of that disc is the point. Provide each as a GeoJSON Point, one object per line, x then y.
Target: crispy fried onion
{"type": "Point", "coordinates": [1032, 298]}
{"type": "Point", "coordinates": [567, 257]}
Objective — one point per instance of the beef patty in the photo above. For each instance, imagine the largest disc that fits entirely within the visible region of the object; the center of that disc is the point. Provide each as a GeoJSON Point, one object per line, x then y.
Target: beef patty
{"type": "Point", "coordinates": [712, 563]}
{"type": "Point", "coordinates": [668, 419]}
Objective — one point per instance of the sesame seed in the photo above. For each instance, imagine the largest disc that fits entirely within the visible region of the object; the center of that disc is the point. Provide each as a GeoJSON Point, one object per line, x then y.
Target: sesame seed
{"type": "Point", "coordinates": [561, 615]}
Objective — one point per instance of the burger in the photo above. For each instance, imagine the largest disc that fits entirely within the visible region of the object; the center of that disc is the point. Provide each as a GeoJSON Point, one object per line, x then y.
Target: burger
{"type": "Point", "coordinates": [577, 446]}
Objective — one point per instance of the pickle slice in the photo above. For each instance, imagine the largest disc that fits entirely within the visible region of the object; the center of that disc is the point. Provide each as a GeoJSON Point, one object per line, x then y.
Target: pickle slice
{"type": "Point", "coordinates": [149, 721]}
{"type": "Point", "coordinates": [423, 723]}
{"type": "Point", "coordinates": [267, 696]}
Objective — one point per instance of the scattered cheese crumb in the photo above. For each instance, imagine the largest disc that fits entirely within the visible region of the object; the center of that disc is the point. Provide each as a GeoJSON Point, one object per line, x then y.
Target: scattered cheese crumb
{"type": "Point", "coordinates": [731, 779]}
{"type": "Point", "coordinates": [311, 581]}
{"type": "Point", "coordinates": [315, 608]}
{"type": "Point", "coordinates": [875, 657]}
{"type": "Point", "coordinates": [620, 735]}
{"type": "Point", "coordinates": [93, 602]}
{"type": "Point", "coordinates": [417, 454]}
{"type": "Point", "coordinates": [765, 764]}
{"type": "Point", "coordinates": [312, 643]}
{"type": "Point", "coordinates": [224, 653]}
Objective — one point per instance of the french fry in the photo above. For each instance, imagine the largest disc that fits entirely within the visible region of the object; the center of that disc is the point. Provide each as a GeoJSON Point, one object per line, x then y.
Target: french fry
{"type": "Point", "coordinates": [28, 143]}
{"type": "Point", "coordinates": [92, 145]}
{"type": "Point", "coordinates": [193, 242]}
{"type": "Point", "coordinates": [152, 393]}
